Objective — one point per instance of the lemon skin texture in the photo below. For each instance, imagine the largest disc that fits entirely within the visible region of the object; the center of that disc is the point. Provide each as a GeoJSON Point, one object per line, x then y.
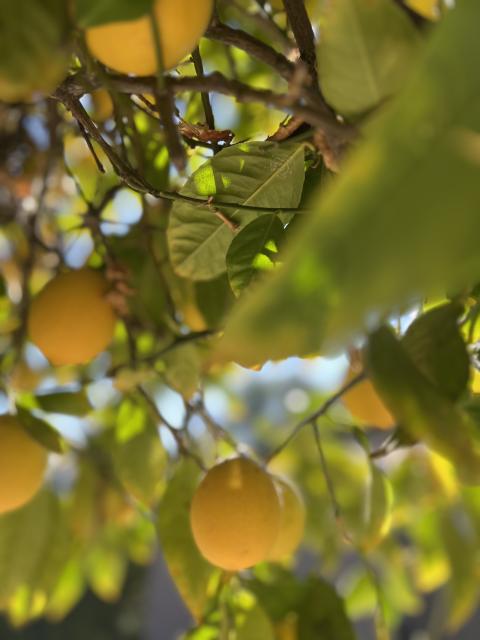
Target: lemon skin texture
{"type": "Point", "coordinates": [235, 514]}
{"type": "Point", "coordinates": [292, 521]}
{"type": "Point", "coordinates": [129, 46]}
{"type": "Point", "coordinates": [70, 320]}
{"type": "Point", "coordinates": [22, 465]}
{"type": "Point", "coordinates": [363, 402]}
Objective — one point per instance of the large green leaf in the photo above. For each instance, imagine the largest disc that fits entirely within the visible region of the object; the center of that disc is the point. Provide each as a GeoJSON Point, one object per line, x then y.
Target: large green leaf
{"type": "Point", "coordinates": [420, 407]}
{"type": "Point", "coordinates": [188, 568]}
{"type": "Point", "coordinates": [435, 345]}
{"type": "Point", "coordinates": [266, 174]}
{"type": "Point", "coordinates": [253, 251]}
{"type": "Point", "coordinates": [365, 49]}
{"type": "Point", "coordinates": [95, 12]}
{"type": "Point", "coordinates": [401, 221]}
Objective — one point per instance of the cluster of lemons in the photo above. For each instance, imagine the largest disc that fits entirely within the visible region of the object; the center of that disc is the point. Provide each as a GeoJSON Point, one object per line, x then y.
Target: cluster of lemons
{"type": "Point", "coordinates": [240, 514]}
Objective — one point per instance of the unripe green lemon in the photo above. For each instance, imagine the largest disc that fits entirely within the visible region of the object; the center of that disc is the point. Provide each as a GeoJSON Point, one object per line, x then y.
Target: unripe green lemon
{"type": "Point", "coordinates": [235, 514]}
{"type": "Point", "coordinates": [22, 465]}
{"type": "Point", "coordinates": [70, 320]}
{"type": "Point", "coordinates": [129, 46]}
{"type": "Point", "coordinates": [292, 522]}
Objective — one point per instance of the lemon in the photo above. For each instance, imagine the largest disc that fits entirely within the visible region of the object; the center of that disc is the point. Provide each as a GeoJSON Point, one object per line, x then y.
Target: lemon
{"type": "Point", "coordinates": [71, 320]}
{"type": "Point", "coordinates": [363, 402]}
{"type": "Point", "coordinates": [235, 514]}
{"type": "Point", "coordinates": [292, 521]}
{"type": "Point", "coordinates": [102, 105]}
{"type": "Point", "coordinates": [129, 46]}
{"type": "Point", "coordinates": [22, 465]}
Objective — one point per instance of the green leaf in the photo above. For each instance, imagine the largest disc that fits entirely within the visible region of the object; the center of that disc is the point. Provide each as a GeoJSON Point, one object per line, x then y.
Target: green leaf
{"type": "Point", "coordinates": [140, 464]}
{"type": "Point", "coordinates": [41, 431]}
{"type": "Point", "coordinates": [214, 299]}
{"type": "Point", "coordinates": [364, 52]}
{"type": "Point", "coordinates": [319, 609]}
{"type": "Point", "coordinates": [420, 407]}
{"type": "Point", "coordinates": [436, 346]}
{"type": "Point", "coordinates": [255, 626]}
{"type": "Point", "coordinates": [72, 404]}
{"type": "Point", "coordinates": [187, 567]}
{"type": "Point", "coordinates": [183, 370]}
{"type": "Point", "coordinates": [266, 174]}
{"type": "Point", "coordinates": [253, 251]}
{"type": "Point", "coordinates": [33, 51]}
{"type": "Point", "coordinates": [400, 222]}
{"type": "Point", "coordinates": [94, 12]}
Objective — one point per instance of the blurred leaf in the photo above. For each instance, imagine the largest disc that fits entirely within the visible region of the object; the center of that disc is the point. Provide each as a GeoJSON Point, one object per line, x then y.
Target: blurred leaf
{"type": "Point", "coordinates": [187, 567]}
{"type": "Point", "coordinates": [183, 370]}
{"type": "Point", "coordinates": [33, 51]}
{"type": "Point", "coordinates": [69, 590]}
{"type": "Point", "coordinates": [95, 12]}
{"type": "Point", "coordinates": [420, 407]}
{"type": "Point", "coordinates": [140, 464]}
{"type": "Point", "coordinates": [365, 50]}
{"type": "Point", "coordinates": [255, 626]}
{"type": "Point", "coordinates": [435, 345]}
{"type": "Point", "coordinates": [320, 611]}
{"type": "Point", "coordinates": [41, 431]}
{"type": "Point", "coordinates": [253, 251]}
{"type": "Point", "coordinates": [266, 174]}
{"type": "Point", "coordinates": [214, 299]}
{"type": "Point", "coordinates": [74, 404]}
{"type": "Point", "coordinates": [24, 538]}
{"type": "Point", "coordinates": [400, 221]}
{"type": "Point", "coordinates": [106, 570]}
{"type": "Point", "coordinates": [377, 513]}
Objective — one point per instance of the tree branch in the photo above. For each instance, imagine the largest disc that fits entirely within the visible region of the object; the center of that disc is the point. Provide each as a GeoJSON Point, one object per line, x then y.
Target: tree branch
{"type": "Point", "coordinates": [255, 48]}
{"type": "Point", "coordinates": [303, 32]}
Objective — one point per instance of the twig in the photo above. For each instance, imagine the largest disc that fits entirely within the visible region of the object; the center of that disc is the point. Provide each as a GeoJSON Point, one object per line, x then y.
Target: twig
{"type": "Point", "coordinates": [207, 107]}
{"type": "Point", "coordinates": [312, 418]}
{"type": "Point", "coordinates": [165, 103]}
{"type": "Point", "coordinates": [176, 433]}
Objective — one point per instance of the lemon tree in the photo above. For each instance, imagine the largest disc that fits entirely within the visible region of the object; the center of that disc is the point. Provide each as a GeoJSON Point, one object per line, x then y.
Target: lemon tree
{"type": "Point", "coordinates": [239, 318]}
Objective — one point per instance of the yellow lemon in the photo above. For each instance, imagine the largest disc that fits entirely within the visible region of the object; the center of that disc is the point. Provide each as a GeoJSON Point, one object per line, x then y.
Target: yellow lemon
{"type": "Point", "coordinates": [71, 320]}
{"type": "Point", "coordinates": [22, 465]}
{"type": "Point", "coordinates": [292, 521]}
{"type": "Point", "coordinates": [235, 514]}
{"type": "Point", "coordinates": [363, 403]}
{"type": "Point", "coordinates": [129, 46]}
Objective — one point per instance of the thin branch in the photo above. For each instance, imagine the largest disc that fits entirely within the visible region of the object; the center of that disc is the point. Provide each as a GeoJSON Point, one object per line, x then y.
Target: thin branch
{"type": "Point", "coordinates": [176, 433]}
{"type": "Point", "coordinates": [303, 32]}
{"type": "Point", "coordinates": [255, 48]}
{"type": "Point", "coordinates": [207, 107]}
{"type": "Point", "coordinates": [313, 417]}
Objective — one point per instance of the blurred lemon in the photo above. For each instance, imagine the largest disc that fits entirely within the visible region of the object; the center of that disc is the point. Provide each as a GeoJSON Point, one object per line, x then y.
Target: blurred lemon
{"type": "Point", "coordinates": [22, 465]}
{"type": "Point", "coordinates": [129, 46]}
{"type": "Point", "coordinates": [70, 320]}
{"type": "Point", "coordinates": [292, 521]}
{"type": "Point", "coordinates": [235, 514]}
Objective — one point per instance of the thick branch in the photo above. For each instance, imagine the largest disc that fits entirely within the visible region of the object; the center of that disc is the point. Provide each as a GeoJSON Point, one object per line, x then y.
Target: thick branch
{"type": "Point", "coordinates": [337, 134]}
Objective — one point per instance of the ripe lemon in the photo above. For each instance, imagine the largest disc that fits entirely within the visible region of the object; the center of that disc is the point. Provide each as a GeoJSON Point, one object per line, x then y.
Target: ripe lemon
{"type": "Point", "coordinates": [363, 403]}
{"type": "Point", "coordinates": [103, 107]}
{"type": "Point", "coordinates": [71, 320]}
{"type": "Point", "coordinates": [235, 514]}
{"type": "Point", "coordinates": [22, 465]}
{"type": "Point", "coordinates": [292, 521]}
{"type": "Point", "coordinates": [129, 46]}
